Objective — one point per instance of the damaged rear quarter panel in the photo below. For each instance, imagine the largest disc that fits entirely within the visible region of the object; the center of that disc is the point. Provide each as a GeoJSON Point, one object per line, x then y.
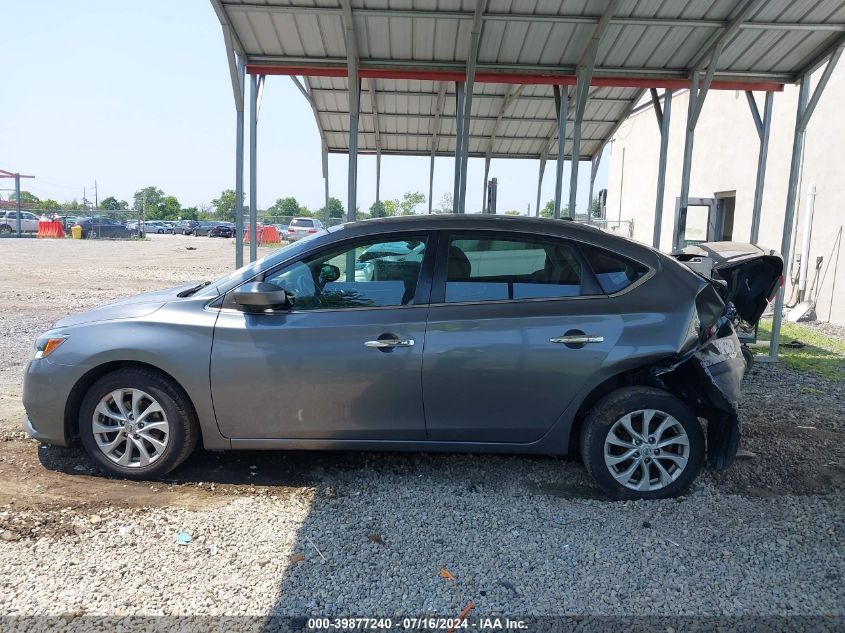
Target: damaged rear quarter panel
{"type": "Point", "coordinates": [709, 378]}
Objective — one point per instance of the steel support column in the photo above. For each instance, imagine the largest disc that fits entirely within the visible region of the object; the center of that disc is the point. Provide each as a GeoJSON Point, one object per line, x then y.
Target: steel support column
{"type": "Point", "coordinates": [376, 129]}
{"type": "Point", "coordinates": [378, 176]}
{"type": "Point", "coordinates": [806, 106]}
{"type": "Point", "coordinates": [763, 128]}
{"type": "Point", "coordinates": [584, 75]}
{"type": "Point", "coordinates": [472, 58]}
{"type": "Point", "coordinates": [594, 168]}
{"type": "Point", "coordinates": [354, 112]}
{"type": "Point", "coordinates": [325, 161]}
{"type": "Point", "coordinates": [581, 90]}
{"type": "Point", "coordinates": [664, 117]}
{"type": "Point", "coordinates": [540, 184]}
{"type": "Point", "coordinates": [459, 139]}
{"type": "Point", "coordinates": [791, 197]}
{"type": "Point", "coordinates": [354, 87]}
{"type": "Point", "coordinates": [689, 138]}
{"type": "Point", "coordinates": [239, 169]}
{"type": "Point", "coordinates": [435, 133]}
{"type": "Point", "coordinates": [253, 168]}
{"type": "Point", "coordinates": [431, 185]}
{"type": "Point", "coordinates": [484, 208]}
{"type": "Point", "coordinates": [562, 106]}
{"type": "Point", "coordinates": [308, 92]}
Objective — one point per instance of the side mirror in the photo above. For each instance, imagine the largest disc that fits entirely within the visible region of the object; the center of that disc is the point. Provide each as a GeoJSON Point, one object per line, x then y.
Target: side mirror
{"type": "Point", "coordinates": [329, 273]}
{"type": "Point", "coordinates": [260, 296]}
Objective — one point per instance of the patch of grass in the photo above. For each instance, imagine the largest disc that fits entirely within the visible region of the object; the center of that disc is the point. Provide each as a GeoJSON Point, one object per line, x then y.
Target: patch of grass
{"type": "Point", "coordinates": [822, 355]}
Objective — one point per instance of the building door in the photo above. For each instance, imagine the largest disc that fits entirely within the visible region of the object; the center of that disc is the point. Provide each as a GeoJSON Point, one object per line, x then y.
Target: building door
{"type": "Point", "coordinates": [726, 204]}
{"type": "Point", "coordinates": [703, 220]}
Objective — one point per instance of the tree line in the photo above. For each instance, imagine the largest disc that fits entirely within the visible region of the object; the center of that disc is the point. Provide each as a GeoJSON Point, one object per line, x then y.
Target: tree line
{"type": "Point", "coordinates": [153, 204]}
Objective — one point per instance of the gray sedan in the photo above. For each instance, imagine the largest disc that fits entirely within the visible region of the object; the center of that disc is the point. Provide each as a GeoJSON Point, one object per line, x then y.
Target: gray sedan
{"type": "Point", "coordinates": [428, 333]}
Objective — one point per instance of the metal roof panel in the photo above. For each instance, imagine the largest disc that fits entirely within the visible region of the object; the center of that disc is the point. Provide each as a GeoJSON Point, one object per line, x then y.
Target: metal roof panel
{"type": "Point", "coordinates": [649, 40]}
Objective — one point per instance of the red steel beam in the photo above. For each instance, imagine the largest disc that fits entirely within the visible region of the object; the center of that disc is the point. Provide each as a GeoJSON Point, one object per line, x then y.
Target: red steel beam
{"type": "Point", "coordinates": [505, 78]}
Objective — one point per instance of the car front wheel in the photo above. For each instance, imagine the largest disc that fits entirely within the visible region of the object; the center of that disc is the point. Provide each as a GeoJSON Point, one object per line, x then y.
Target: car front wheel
{"type": "Point", "coordinates": [642, 443]}
{"type": "Point", "coordinates": [138, 424]}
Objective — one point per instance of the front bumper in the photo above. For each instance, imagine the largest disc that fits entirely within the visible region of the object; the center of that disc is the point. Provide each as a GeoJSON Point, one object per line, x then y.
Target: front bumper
{"type": "Point", "coordinates": [46, 438]}
{"type": "Point", "coordinates": [46, 388]}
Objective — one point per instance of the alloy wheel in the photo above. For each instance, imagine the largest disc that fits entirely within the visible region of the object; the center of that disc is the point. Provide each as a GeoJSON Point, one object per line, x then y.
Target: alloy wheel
{"type": "Point", "coordinates": [646, 450]}
{"type": "Point", "coordinates": [130, 428]}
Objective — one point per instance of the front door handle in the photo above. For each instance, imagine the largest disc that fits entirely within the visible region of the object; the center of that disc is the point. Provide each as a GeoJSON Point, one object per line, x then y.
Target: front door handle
{"type": "Point", "coordinates": [384, 343]}
{"type": "Point", "coordinates": [576, 339]}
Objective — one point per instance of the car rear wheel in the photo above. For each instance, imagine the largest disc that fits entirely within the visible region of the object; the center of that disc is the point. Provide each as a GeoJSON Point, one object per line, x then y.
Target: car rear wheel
{"type": "Point", "coordinates": [5, 229]}
{"type": "Point", "coordinates": [642, 443]}
{"type": "Point", "coordinates": [748, 355]}
{"type": "Point", "coordinates": [138, 424]}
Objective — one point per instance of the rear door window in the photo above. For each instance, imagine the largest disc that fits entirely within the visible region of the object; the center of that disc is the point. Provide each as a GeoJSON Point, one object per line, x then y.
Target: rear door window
{"type": "Point", "coordinates": [511, 268]}
{"type": "Point", "coordinates": [614, 272]}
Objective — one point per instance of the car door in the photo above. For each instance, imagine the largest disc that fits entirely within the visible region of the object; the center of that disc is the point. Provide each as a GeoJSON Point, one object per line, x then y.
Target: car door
{"type": "Point", "coordinates": [30, 222]}
{"type": "Point", "coordinates": [342, 363]}
{"type": "Point", "coordinates": [517, 326]}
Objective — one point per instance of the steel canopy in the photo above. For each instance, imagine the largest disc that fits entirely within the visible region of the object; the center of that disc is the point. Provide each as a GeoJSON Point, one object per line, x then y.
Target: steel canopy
{"type": "Point", "coordinates": [407, 48]}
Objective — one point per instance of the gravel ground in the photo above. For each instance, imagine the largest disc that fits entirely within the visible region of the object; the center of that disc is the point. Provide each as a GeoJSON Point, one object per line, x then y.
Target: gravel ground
{"type": "Point", "coordinates": [310, 534]}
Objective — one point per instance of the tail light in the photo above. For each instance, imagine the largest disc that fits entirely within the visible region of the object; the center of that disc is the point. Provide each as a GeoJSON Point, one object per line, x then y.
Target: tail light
{"type": "Point", "coordinates": [291, 230]}
{"type": "Point", "coordinates": [776, 288]}
{"type": "Point", "coordinates": [710, 308]}
{"type": "Point", "coordinates": [312, 230]}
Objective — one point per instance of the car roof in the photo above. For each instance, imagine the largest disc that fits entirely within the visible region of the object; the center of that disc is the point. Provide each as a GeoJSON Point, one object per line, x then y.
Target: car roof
{"type": "Point", "coordinates": [476, 222]}
{"type": "Point", "coordinates": [565, 228]}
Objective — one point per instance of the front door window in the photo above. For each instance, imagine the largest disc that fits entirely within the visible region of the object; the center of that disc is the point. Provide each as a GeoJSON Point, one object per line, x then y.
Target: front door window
{"type": "Point", "coordinates": [368, 273]}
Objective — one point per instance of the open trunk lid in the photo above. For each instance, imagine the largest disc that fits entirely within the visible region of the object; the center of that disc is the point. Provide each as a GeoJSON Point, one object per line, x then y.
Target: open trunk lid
{"type": "Point", "coordinates": [750, 274]}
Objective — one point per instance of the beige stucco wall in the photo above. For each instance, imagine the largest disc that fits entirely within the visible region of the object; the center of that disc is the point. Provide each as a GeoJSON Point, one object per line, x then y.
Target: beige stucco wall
{"type": "Point", "coordinates": [725, 159]}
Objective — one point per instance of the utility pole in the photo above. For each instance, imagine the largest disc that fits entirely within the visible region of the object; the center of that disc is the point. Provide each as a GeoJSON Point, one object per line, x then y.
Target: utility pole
{"type": "Point", "coordinates": [17, 177]}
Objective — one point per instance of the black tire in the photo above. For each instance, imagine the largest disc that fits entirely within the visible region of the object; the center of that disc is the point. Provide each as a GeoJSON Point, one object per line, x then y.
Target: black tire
{"type": "Point", "coordinates": [184, 428]}
{"type": "Point", "coordinates": [748, 355]}
{"type": "Point", "coordinates": [5, 229]}
{"type": "Point", "coordinates": [607, 411]}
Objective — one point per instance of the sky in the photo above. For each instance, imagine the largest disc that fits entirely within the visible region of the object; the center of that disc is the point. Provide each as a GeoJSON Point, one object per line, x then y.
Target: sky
{"type": "Point", "coordinates": [134, 93]}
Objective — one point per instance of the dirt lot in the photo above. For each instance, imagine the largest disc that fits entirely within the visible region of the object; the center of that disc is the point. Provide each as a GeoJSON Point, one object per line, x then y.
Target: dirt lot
{"type": "Point", "coordinates": [359, 534]}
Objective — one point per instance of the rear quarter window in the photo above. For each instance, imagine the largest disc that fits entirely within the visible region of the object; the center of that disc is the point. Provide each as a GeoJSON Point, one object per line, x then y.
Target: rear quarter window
{"type": "Point", "coordinates": [614, 272]}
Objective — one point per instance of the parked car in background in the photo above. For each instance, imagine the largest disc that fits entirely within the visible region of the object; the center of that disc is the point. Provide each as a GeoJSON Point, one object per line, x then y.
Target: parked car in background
{"type": "Point", "coordinates": [202, 228]}
{"type": "Point", "coordinates": [470, 333]}
{"type": "Point", "coordinates": [103, 227]}
{"type": "Point", "coordinates": [221, 229]}
{"type": "Point", "coordinates": [67, 221]}
{"type": "Point", "coordinates": [169, 226]}
{"type": "Point", "coordinates": [9, 222]}
{"type": "Point", "coordinates": [282, 229]}
{"type": "Point", "coordinates": [301, 227]}
{"type": "Point", "coordinates": [185, 227]}
{"type": "Point", "coordinates": [156, 226]}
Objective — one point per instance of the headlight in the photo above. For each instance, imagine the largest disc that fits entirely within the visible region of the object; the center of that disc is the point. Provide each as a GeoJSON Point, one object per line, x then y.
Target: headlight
{"type": "Point", "coordinates": [48, 343]}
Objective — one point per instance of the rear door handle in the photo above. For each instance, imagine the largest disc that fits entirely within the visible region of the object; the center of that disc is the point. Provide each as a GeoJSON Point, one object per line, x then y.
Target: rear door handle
{"type": "Point", "coordinates": [576, 339]}
{"type": "Point", "coordinates": [383, 343]}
